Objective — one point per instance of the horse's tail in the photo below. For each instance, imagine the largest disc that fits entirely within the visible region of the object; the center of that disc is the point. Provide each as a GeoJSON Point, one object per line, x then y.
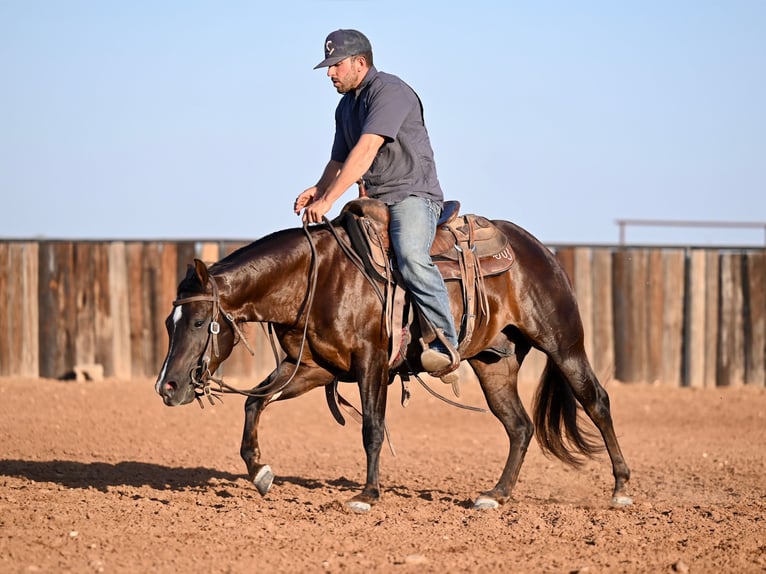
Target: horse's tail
{"type": "Point", "coordinates": [556, 420]}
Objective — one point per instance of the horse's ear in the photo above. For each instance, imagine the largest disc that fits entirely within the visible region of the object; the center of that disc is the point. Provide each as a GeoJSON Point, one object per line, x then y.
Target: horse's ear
{"type": "Point", "coordinates": [201, 269]}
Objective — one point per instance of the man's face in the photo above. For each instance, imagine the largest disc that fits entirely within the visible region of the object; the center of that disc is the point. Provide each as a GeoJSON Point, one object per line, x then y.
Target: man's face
{"type": "Point", "coordinates": [347, 74]}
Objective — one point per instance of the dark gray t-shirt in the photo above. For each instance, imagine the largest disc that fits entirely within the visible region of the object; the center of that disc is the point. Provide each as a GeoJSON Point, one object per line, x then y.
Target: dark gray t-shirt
{"type": "Point", "coordinates": [385, 105]}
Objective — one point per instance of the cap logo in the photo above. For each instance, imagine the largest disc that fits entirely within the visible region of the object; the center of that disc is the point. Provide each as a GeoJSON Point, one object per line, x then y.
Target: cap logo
{"type": "Point", "coordinates": [329, 48]}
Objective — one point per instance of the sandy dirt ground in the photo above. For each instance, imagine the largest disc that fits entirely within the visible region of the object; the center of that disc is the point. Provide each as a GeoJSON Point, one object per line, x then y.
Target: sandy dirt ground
{"type": "Point", "coordinates": [102, 477]}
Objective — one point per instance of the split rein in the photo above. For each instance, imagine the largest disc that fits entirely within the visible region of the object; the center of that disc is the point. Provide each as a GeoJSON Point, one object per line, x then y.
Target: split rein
{"type": "Point", "coordinates": [201, 377]}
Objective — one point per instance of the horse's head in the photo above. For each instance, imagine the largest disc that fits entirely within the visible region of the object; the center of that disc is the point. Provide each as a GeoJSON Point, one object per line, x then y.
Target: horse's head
{"type": "Point", "coordinates": [200, 337]}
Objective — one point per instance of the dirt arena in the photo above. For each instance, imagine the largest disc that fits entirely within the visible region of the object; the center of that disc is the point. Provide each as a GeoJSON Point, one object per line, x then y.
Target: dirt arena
{"type": "Point", "coordinates": [102, 477]}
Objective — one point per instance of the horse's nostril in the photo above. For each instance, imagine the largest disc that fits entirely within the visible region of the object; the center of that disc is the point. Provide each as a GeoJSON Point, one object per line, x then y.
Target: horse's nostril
{"type": "Point", "coordinates": [170, 387]}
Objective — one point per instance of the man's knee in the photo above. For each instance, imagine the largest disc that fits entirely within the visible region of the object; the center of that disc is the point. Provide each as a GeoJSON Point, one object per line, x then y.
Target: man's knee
{"type": "Point", "coordinates": [414, 261]}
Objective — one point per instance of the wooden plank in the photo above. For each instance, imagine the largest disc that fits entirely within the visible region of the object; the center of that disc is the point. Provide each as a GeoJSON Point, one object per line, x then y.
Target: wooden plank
{"type": "Point", "coordinates": [58, 313]}
{"type": "Point", "coordinates": [30, 350]}
{"type": "Point", "coordinates": [84, 334]}
{"type": "Point", "coordinates": [151, 278]}
{"type": "Point", "coordinates": [655, 315]}
{"type": "Point", "coordinates": [673, 273]}
{"type": "Point", "coordinates": [119, 310]}
{"type": "Point", "coordinates": [702, 319]}
{"type": "Point", "coordinates": [583, 284]}
{"type": "Point", "coordinates": [138, 303]}
{"type": "Point", "coordinates": [696, 324]}
{"type": "Point", "coordinates": [731, 361]}
{"type": "Point", "coordinates": [602, 314]}
{"type": "Point", "coordinates": [21, 321]}
{"type": "Point", "coordinates": [630, 296]}
{"type": "Point", "coordinates": [13, 315]}
{"type": "Point", "coordinates": [46, 300]}
{"type": "Point", "coordinates": [621, 302]}
{"type": "Point", "coordinates": [712, 310]}
{"type": "Point", "coordinates": [755, 319]}
{"type": "Point", "coordinates": [102, 308]}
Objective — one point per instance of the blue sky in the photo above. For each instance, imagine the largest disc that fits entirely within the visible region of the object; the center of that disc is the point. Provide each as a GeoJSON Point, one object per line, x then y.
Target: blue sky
{"type": "Point", "coordinates": [186, 119]}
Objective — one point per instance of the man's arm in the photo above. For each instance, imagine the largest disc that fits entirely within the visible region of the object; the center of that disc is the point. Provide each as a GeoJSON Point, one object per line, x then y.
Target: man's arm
{"type": "Point", "coordinates": [356, 165]}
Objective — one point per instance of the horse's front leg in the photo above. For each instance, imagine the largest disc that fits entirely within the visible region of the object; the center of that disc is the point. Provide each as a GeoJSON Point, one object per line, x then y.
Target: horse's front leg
{"type": "Point", "coordinates": [373, 388]}
{"type": "Point", "coordinates": [306, 379]}
{"type": "Point", "coordinates": [260, 474]}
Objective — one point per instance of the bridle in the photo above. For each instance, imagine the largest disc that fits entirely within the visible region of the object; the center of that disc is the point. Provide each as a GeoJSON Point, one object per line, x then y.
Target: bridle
{"type": "Point", "coordinates": [200, 375]}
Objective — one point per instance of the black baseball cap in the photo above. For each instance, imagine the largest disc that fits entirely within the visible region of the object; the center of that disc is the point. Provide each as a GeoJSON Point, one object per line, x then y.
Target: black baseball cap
{"type": "Point", "coordinates": [341, 44]}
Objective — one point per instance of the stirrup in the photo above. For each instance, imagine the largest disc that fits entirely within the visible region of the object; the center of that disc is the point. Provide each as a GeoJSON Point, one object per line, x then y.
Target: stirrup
{"type": "Point", "coordinates": [451, 351]}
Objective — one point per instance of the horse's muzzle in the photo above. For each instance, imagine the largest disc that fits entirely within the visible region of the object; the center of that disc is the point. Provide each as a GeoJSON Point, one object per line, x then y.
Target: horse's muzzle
{"type": "Point", "coordinates": [173, 394]}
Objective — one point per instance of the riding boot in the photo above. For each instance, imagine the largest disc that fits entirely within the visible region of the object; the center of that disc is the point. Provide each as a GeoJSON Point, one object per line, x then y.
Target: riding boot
{"type": "Point", "coordinates": [440, 359]}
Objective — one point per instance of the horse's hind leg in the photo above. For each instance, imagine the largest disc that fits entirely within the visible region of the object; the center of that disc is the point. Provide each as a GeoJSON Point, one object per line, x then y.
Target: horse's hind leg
{"type": "Point", "coordinates": [373, 388]}
{"type": "Point", "coordinates": [498, 378]}
{"type": "Point", "coordinates": [576, 369]}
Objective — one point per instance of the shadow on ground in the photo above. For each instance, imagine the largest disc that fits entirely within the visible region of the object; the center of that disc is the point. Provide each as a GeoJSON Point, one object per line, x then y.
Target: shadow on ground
{"type": "Point", "coordinates": [101, 475]}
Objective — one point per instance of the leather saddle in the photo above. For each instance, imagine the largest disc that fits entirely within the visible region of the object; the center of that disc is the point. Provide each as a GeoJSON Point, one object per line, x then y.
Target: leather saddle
{"type": "Point", "coordinates": [460, 241]}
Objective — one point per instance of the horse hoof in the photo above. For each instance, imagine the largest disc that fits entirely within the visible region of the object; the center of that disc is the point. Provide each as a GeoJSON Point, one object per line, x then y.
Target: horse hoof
{"type": "Point", "coordinates": [621, 500]}
{"type": "Point", "coordinates": [263, 479]}
{"type": "Point", "coordinates": [358, 506]}
{"type": "Point", "coordinates": [486, 503]}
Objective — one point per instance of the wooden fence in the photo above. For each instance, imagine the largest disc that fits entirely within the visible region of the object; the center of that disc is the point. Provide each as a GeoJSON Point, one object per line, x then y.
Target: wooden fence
{"type": "Point", "coordinates": [683, 316]}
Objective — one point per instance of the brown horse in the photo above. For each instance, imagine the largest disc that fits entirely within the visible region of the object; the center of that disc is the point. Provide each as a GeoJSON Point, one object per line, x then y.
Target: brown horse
{"type": "Point", "coordinates": [276, 280]}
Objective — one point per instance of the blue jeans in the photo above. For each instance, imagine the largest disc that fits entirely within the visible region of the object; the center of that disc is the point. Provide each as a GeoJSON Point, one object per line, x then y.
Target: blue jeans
{"type": "Point", "coordinates": [412, 229]}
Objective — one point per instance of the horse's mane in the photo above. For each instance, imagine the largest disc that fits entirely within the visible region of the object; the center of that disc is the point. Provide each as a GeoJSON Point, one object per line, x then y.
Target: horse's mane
{"type": "Point", "coordinates": [278, 244]}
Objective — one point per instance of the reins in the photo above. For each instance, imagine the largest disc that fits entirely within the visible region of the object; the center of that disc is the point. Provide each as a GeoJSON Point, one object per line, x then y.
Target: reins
{"type": "Point", "coordinates": [200, 375]}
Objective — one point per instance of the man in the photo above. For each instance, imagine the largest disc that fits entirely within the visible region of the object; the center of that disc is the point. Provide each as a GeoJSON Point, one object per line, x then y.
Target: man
{"type": "Point", "coordinates": [381, 139]}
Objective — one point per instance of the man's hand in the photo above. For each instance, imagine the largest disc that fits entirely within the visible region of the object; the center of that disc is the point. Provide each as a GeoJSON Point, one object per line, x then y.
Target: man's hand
{"type": "Point", "coordinates": [304, 199]}
{"type": "Point", "coordinates": [316, 210]}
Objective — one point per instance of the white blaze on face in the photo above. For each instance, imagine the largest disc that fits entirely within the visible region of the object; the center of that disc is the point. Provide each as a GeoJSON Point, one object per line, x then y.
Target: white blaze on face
{"type": "Point", "coordinates": [177, 313]}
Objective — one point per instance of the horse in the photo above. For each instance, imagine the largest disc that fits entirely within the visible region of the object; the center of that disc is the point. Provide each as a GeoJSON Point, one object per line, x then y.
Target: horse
{"type": "Point", "coordinates": [275, 280]}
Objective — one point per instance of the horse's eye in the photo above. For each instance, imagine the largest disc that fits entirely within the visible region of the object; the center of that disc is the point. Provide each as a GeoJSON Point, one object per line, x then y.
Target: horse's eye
{"type": "Point", "coordinates": [198, 324]}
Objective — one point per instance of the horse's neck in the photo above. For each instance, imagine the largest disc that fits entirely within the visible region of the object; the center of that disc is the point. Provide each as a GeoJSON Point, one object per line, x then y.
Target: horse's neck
{"type": "Point", "coordinates": [267, 284]}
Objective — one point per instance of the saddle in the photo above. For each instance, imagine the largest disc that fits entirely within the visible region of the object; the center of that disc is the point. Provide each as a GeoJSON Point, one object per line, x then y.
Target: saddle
{"type": "Point", "coordinates": [466, 248]}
